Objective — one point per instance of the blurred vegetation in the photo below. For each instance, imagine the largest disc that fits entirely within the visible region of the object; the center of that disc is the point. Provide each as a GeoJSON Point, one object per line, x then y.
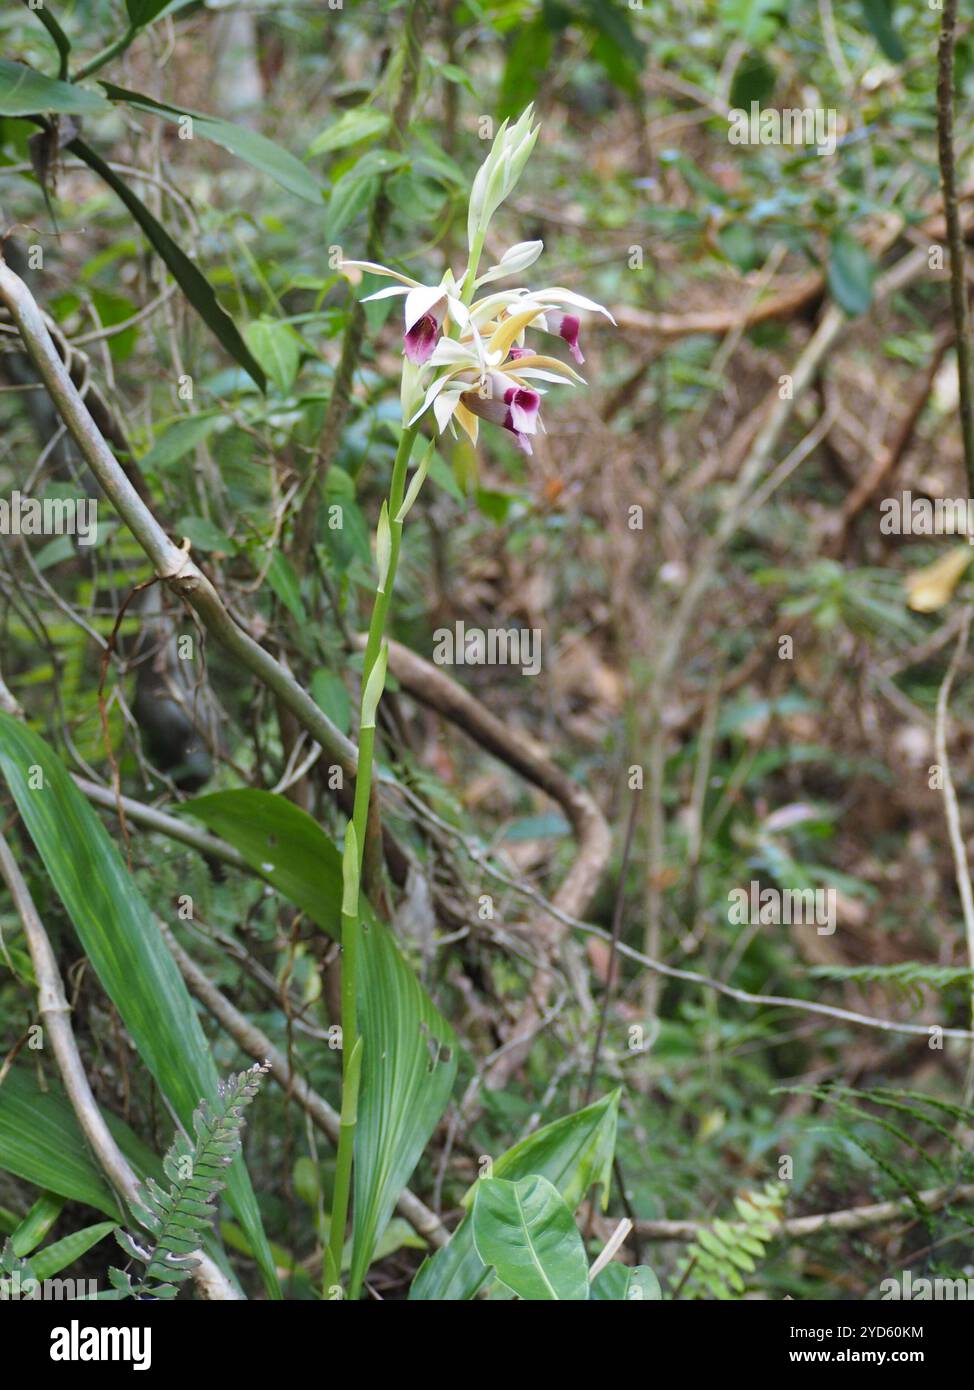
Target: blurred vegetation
{"type": "Point", "coordinates": [662, 585]}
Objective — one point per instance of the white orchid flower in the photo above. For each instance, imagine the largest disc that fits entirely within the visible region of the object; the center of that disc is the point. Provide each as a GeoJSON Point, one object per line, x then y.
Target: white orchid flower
{"type": "Point", "coordinates": [425, 309]}
{"type": "Point", "coordinates": [553, 319]}
{"type": "Point", "coordinates": [501, 398]}
{"type": "Point", "coordinates": [491, 381]}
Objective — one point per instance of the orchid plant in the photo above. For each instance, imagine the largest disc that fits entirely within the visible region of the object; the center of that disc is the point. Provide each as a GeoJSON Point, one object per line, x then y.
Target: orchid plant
{"type": "Point", "coordinates": [464, 360]}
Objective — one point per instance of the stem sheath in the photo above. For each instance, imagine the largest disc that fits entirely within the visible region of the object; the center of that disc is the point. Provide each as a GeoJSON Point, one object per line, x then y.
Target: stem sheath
{"type": "Point", "coordinates": [352, 1044]}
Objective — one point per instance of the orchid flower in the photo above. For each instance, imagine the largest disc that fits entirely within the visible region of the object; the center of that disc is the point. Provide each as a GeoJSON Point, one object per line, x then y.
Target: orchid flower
{"type": "Point", "coordinates": [467, 359]}
{"type": "Point", "coordinates": [491, 380]}
{"type": "Point", "coordinates": [425, 308]}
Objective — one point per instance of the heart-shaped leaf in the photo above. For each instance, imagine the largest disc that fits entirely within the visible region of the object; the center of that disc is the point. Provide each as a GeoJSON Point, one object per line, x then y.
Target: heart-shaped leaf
{"type": "Point", "coordinates": [573, 1152]}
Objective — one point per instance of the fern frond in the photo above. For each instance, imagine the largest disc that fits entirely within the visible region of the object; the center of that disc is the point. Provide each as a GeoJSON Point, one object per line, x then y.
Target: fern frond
{"type": "Point", "coordinates": [892, 1100]}
{"type": "Point", "coordinates": [846, 1100]}
{"type": "Point", "coordinates": [851, 1114]}
{"type": "Point", "coordinates": [897, 1174]}
{"type": "Point", "coordinates": [725, 1250]}
{"type": "Point", "coordinates": [963, 1113]}
{"type": "Point", "coordinates": [910, 976]}
{"type": "Point", "coordinates": [176, 1219]}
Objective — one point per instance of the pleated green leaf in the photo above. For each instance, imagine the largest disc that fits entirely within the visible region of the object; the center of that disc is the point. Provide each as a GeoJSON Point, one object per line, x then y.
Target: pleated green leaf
{"type": "Point", "coordinates": [527, 1232]}
{"type": "Point", "coordinates": [36, 1223]}
{"type": "Point", "coordinates": [410, 1051]}
{"type": "Point", "coordinates": [61, 1253]}
{"type": "Point", "coordinates": [41, 1142]}
{"type": "Point", "coordinates": [127, 952]}
{"type": "Point", "coordinates": [573, 1153]}
{"type": "Point", "coordinates": [282, 844]}
{"type": "Point", "coordinates": [408, 1069]}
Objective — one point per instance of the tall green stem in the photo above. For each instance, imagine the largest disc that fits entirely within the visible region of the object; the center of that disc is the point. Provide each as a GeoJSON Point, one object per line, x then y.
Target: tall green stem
{"type": "Point", "coordinates": [352, 1043]}
{"type": "Point", "coordinates": [476, 251]}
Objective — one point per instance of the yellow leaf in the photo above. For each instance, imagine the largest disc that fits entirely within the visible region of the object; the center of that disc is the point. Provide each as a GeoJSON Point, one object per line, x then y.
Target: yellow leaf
{"type": "Point", "coordinates": [711, 1123]}
{"type": "Point", "coordinates": [930, 588]}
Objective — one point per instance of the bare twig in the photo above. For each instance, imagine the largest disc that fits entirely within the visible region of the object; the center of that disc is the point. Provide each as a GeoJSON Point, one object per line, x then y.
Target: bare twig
{"type": "Point", "coordinates": [171, 563]}
{"type": "Point", "coordinates": [782, 304]}
{"type": "Point", "coordinates": [962, 868]}
{"type": "Point", "coordinates": [955, 235]}
{"type": "Point", "coordinates": [674, 972]}
{"type": "Point", "coordinates": [615, 1241]}
{"type": "Point", "coordinates": [799, 1227]}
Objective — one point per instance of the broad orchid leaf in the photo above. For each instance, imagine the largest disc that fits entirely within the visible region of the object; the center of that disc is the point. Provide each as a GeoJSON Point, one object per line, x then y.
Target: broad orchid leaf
{"type": "Point", "coordinates": [61, 1253]}
{"type": "Point", "coordinates": [410, 1051]}
{"type": "Point", "coordinates": [118, 935]}
{"type": "Point", "coordinates": [36, 1223]}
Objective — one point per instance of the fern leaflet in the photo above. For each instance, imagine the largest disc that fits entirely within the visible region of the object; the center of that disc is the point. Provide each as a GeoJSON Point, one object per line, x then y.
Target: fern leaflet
{"type": "Point", "coordinates": [724, 1250]}
{"type": "Point", "coordinates": [176, 1219]}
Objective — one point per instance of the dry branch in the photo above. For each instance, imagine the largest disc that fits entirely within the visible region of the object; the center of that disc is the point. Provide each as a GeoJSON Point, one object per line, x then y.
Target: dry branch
{"type": "Point", "coordinates": [801, 1227]}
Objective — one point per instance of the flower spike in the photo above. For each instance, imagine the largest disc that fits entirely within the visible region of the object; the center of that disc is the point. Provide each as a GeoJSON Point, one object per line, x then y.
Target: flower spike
{"type": "Point", "coordinates": [468, 361]}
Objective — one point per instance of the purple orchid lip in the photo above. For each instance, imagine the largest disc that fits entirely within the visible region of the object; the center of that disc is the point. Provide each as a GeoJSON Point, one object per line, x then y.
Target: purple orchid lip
{"type": "Point", "coordinates": [523, 441]}
{"type": "Point", "coordinates": [420, 340]}
{"type": "Point", "coordinates": [517, 412]}
{"type": "Point", "coordinates": [568, 329]}
{"type": "Point", "coordinates": [515, 352]}
{"type": "Point", "coordinates": [522, 409]}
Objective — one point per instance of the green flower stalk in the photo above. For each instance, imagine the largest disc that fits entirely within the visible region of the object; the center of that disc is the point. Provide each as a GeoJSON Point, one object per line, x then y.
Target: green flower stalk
{"type": "Point", "coordinates": [463, 360]}
{"type": "Point", "coordinates": [388, 539]}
